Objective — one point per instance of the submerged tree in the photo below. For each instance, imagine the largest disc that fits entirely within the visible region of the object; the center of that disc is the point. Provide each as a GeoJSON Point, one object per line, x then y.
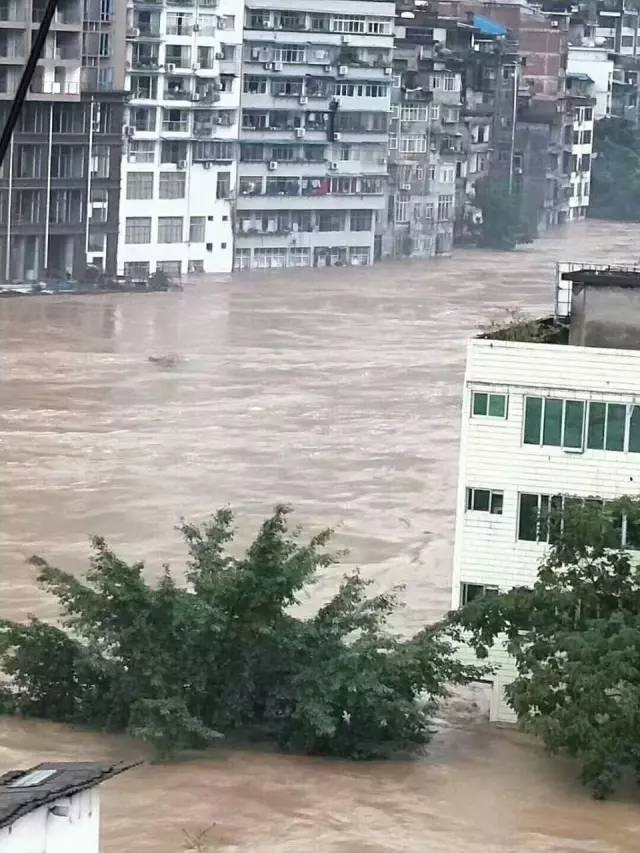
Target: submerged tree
{"type": "Point", "coordinates": [575, 637]}
{"type": "Point", "coordinates": [504, 220]}
{"type": "Point", "coordinates": [615, 173]}
{"type": "Point", "coordinates": [177, 665]}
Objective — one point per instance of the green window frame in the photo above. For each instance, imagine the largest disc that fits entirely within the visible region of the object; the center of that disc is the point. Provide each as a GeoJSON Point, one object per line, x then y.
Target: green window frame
{"type": "Point", "coordinates": [485, 404]}
{"type": "Point", "coordinates": [554, 422]}
{"type": "Point", "coordinates": [470, 591]}
{"type": "Point", "coordinates": [485, 500]}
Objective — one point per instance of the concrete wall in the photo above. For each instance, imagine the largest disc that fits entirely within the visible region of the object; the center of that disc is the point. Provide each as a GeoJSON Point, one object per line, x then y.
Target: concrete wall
{"type": "Point", "coordinates": [602, 316]}
{"type": "Point", "coordinates": [41, 831]}
{"type": "Point", "coordinates": [596, 63]}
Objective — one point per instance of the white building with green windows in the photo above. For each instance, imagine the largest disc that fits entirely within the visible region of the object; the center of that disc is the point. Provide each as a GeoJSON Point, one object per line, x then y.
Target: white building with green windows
{"type": "Point", "coordinates": [552, 416]}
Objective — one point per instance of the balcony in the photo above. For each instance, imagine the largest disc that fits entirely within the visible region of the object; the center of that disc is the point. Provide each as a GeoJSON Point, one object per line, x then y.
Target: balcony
{"type": "Point", "coordinates": [144, 31]}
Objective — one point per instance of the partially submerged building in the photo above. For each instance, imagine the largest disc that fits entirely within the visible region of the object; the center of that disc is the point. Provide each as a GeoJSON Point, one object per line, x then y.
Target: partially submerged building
{"type": "Point", "coordinates": [550, 409]}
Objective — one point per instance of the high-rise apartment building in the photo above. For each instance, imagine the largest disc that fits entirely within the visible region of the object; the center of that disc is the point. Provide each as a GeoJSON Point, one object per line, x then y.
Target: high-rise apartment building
{"type": "Point", "coordinates": [59, 185]}
{"type": "Point", "coordinates": [181, 129]}
{"type": "Point", "coordinates": [549, 416]}
{"type": "Point", "coordinates": [313, 136]}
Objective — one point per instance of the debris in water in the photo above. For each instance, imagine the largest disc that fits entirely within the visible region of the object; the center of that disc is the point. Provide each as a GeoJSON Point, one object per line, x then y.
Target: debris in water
{"type": "Point", "coordinates": [169, 360]}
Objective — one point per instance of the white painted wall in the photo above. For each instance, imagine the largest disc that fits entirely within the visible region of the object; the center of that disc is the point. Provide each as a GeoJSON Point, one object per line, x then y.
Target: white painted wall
{"type": "Point", "coordinates": [41, 831]}
{"type": "Point", "coordinates": [595, 62]}
{"type": "Point", "coordinates": [492, 455]}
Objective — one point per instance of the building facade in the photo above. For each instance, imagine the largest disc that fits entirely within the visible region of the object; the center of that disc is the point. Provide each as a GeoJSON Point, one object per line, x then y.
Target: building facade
{"type": "Point", "coordinates": [312, 170]}
{"type": "Point", "coordinates": [533, 434]}
{"type": "Point", "coordinates": [181, 130]}
{"type": "Point", "coordinates": [60, 183]}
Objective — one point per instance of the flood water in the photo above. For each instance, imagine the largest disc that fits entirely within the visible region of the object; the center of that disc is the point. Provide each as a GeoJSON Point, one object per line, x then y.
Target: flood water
{"type": "Point", "coordinates": [334, 390]}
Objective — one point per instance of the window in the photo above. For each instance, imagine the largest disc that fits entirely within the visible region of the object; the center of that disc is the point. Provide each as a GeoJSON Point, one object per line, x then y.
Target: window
{"type": "Point", "coordinates": [137, 269]}
{"type": "Point", "coordinates": [415, 112]}
{"type": "Point", "coordinates": [223, 185]}
{"type": "Point", "coordinates": [140, 185]}
{"type": "Point", "coordinates": [291, 54]}
{"type": "Point", "coordinates": [173, 152]}
{"type": "Point", "coordinates": [213, 151]}
{"type": "Point", "coordinates": [254, 85]}
{"type": "Point", "coordinates": [469, 591]}
{"type": "Point", "coordinates": [196, 266]}
{"type": "Point", "coordinates": [172, 184]}
{"type": "Point", "coordinates": [606, 429]}
{"type": "Point", "coordinates": [627, 41]}
{"type": "Point", "coordinates": [485, 500]}
{"type": "Point", "coordinates": [142, 152]}
{"type": "Point", "coordinates": [402, 210]}
{"type": "Point", "coordinates": [588, 114]}
{"type": "Point", "coordinates": [445, 207]}
{"type": "Point", "coordinates": [447, 174]}
{"type": "Point", "coordinates": [179, 24]}
{"type": "Point", "coordinates": [586, 137]}
{"type": "Point", "coordinates": [348, 25]}
{"type": "Point", "coordinates": [360, 220]}
{"type": "Point", "coordinates": [554, 422]}
{"type": "Point", "coordinates": [170, 229]}
{"type": "Point", "coordinates": [378, 28]}
{"type": "Point", "coordinates": [228, 22]}
{"type": "Point", "coordinates": [172, 268]}
{"type": "Point", "coordinates": [490, 405]}
{"type": "Point", "coordinates": [137, 229]}
{"type": "Point", "coordinates": [435, 112]}
{"type": "Point", "coordinates": [416, 144]}
{"type": "Point", "coordinates": [330, 221]}
{"type": "Point", "coordinates": [533, 512]}
{"type": "Point", "coordinates": [196, 229]}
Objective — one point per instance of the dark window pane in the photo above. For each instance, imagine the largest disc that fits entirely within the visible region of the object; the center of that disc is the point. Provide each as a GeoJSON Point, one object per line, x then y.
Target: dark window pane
{"type": "Point", "coordinates": [497, 405]}
{"type": "Point", "coordinates": [528, 520]}
{"type": "Point", "coordinates": [616, 415]}
{"type": "Point", "coordinates": [633, 533]}
{"type": "Point", "coordinates": [481, 500]}
{"type": "Point", "coordinates": [469, 498]}
{"type": "Point", "coordinates": [573, 422]}
{"type": "Point", "coordinates": [634, 430]}
{"type": "Point", "coordinates": [496, 503]}
{"type": "Point", "coordinates": [552, 524]}
{"type": "Point", "coordinates": [471, 591]}
{"type": "Point", "coordinates": [532, 419]}
{"type": "Point", "coordinates": [595, 434]}
{"type": "Point", "coordinates": [552, 432]}
{"type": "Point", "coordinates": [480, 402]}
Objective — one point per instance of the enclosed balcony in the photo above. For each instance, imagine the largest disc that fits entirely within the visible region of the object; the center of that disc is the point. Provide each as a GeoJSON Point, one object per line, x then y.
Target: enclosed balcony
{"type": "Point", "coordinates": [145, 57]}
{"type": "Point", "coordinates": [12, 51]}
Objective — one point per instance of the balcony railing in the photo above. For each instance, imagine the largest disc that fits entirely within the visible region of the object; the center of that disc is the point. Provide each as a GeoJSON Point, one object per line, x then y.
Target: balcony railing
{"type": "Point", "coordinates": [181, 126]}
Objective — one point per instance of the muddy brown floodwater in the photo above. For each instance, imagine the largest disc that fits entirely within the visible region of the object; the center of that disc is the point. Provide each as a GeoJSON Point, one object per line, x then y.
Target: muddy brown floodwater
{"type": "Point", "coordinates": [337, 391]}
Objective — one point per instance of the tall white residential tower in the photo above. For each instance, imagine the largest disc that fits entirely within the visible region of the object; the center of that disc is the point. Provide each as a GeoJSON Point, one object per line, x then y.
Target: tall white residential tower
{"type": "Point", "coordinates": [181, 129]}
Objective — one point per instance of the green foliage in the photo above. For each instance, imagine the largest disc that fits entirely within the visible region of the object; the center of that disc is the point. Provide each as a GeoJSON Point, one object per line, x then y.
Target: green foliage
{"type": "Point", "coordinates": [575, 637]}
{"type": "Point", "coordinates": [504, 221]}
{"type": "Point", "coordinates": [176, 665]}
{"type": "Point", "coordinates": [615, 172]}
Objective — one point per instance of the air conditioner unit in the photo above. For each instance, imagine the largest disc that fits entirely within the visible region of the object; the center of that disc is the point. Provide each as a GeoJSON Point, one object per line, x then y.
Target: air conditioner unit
{"type": "Point", "coordinates": [405, 187]}
{"type": "Point", "coordinates": [388, 71]}
{"type": "Point", "coordinates": [132, 158]}
{"type": "Point", "coordinates": [220, 54]}
{"type": "Point", "coordinates": [273, 166]}
{"type": "Point", "coordinates": [299, 132]}
{"type": "Point", "coordinates": [343, 70]}
{"type": "Point", "coordinates": [278, 66]}
{"type": "Point", "coordinates": [327, 68]}
{"type": "Point", "coordinates": [337, 137]}
{"type": "Point", "coordinates": [181, 164]}
{"type": "Point", "coordinates": [196, 28]}
{"type": "Point", "coordinates": [196, 96]}
{"type": "Point", "coordinates": [267, 66]}
{"type": "Point", "coordinates": [133, 33]}
{"type": "Point", "coordinates": [333, 166]}
{"type": "Point", "coordinates": [195, 66]}
{"type": "Point", "coordinates": [129, 130]}
{"type": "Point", "coordinates": [170, 67]}
{"type": "Point", "coordinates": [303, 99]}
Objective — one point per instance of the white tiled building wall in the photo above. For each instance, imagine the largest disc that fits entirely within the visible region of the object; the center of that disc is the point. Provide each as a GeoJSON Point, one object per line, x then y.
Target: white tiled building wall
{"type": "Point", "coordinates": [493, 456]}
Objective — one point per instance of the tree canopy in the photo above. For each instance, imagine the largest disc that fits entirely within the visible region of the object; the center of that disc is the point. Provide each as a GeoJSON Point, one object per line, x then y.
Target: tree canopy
{"type": "Point", "coordinates": [504, 217]}
{"type": "Point", "coordinates": [575, 637]}
{"type": "Point", "coordinates": [615, 172]}
{"type": "Point", "coordinates": [178, 665]}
